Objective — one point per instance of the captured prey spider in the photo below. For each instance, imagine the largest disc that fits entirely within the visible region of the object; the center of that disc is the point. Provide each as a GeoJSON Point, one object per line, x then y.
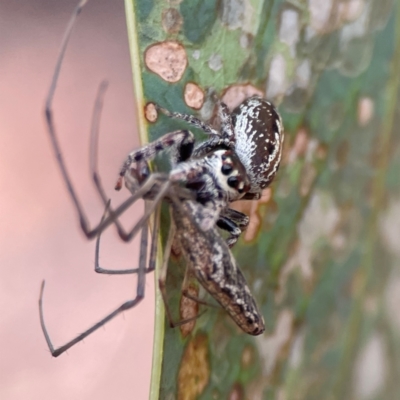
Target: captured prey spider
{"type": "Point", "coordinates": [207, 255]}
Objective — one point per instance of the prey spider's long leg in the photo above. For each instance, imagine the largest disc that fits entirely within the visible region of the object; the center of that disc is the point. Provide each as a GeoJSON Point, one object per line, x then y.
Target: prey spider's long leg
{"type": "Point", "coordinates": [142, 191]}
{"type": "Point", "coordinates": [93, 156]}
{"type": "Point", "coordinates": [51, 128]}
{"type": "Point", "coordinates": [189, 275]}
{"type": "Point", "coordinates": [154, 240]}
{"type": "Point", "coordinates": [140, 290]}
{"type": "Point", "coordinates": [164, 269]}
{"type": "Point", "coordinates": [153, 249]}
{"type": "Point", "coordinates": [154, 204]}
{"type": "Point", "coordinates": [113, 214]}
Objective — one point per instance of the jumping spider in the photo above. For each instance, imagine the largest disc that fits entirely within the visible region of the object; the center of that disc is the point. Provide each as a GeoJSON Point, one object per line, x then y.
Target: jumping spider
{"type": "Point", "coordinates": [252, 135]}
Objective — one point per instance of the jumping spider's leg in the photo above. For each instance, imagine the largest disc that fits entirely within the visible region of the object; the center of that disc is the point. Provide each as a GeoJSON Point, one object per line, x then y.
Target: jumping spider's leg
{"type": "Point", "coordinates": [140, 290]}
{"type": "Point", "coordinates": [190, 119]}
{"type": "Point", "coordinates": [183, 139]}
{"type": "Point", "coordinates": [226, 136]}
{"type": "Point", "coordinates": [240, 219]}
{"type": "Point", "coordinates": [227, 131]}
{"type": "Point", "coordinates": [234, 222]}
{"type": "Point", "coordinates": [153, 249]}
{"type": "Point", "coordinates": [251, 196]}
{"type": "Point", "coordinates": [209, 145]}
{"type": "Point", "coordinates": [230, 226]}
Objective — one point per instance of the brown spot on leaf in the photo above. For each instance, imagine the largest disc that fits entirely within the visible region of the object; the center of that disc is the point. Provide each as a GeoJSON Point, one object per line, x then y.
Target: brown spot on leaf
{"type": "Point", "coordinates": [342, 153]}
{"type": "Point", "coordinates": [150, 112]}
{"type": "Point", "coordinates": [299, 147]}
{"type": "Point", "coordinates": [274, 348]}
{"type": "Point", "coordinates": [189, 308]}
{"type": "Point", "coordinates": [171, 20]}
{"type": "Point", "coordinates": [236, 94]}
{"type": "Point", "coordinates": [366, 108]}
{"type": "Point", "coordinates": [194, 371]}
{"type": "Point", "coordinates": [308, 175]}
{"type": "Point", "coordinates": [166, 59]}
{"type": "Point", "coordinates": [247, 357]}
{"type": "Point", "coordinates": [194, 96]}
{"type": "Point", "coordinates": [237, 392]}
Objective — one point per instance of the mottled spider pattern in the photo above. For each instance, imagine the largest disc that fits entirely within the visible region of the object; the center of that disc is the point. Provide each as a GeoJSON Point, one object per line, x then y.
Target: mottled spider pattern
{"type": "Point", "coordinates": [209, 258]}
{"type": "Point", "coordinates": [254, 134]}
{"type": "Point", "coordinates": [207, 255]}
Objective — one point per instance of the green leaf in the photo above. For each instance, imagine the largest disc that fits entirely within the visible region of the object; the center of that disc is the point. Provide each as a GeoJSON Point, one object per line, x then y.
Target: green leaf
{"type": "Point", "coordinates": [321, 255]}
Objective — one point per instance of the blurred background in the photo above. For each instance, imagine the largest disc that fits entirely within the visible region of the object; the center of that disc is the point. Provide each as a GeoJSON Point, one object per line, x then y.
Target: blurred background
{"type": "Point", "coordinates": [40, 237]}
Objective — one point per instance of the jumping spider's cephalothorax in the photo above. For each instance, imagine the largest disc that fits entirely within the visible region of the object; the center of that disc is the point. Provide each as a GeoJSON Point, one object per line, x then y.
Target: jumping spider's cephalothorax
{"type": "Point", "coordinates": [216, 179]}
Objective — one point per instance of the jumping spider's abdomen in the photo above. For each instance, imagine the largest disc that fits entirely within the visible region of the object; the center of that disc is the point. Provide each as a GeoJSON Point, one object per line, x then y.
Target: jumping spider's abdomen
{"type": "Point", "coordinates": [259, 137]}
